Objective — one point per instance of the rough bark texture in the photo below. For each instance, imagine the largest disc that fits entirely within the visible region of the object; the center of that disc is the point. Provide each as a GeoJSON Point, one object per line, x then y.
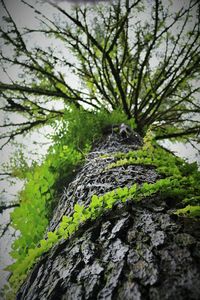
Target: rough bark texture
{"type": "Point", "coordinates": [134, 251]}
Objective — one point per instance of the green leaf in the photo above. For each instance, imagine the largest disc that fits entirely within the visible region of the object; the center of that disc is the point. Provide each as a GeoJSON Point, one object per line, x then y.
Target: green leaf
{"type": "Point", "coordinates": [43, 244]}
{"type": "Point", "coordinates": [52, 236]}
{"type": "Point", "coordinates": [189, 210]}
{"type": "Point", "coordinates": [78, 208]}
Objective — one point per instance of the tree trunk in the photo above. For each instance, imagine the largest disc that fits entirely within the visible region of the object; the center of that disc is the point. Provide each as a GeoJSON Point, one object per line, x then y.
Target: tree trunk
{"type": "Point", "coordinates": [134, 251]}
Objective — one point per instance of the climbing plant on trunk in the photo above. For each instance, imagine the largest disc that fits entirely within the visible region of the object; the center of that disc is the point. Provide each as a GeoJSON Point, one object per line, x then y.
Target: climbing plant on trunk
{"type": "Point", "coordinates": [116, 233]}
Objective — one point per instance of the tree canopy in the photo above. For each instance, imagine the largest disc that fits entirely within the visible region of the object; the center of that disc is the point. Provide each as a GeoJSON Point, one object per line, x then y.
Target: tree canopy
{"type": "Point", "coordinates": [139, 57]}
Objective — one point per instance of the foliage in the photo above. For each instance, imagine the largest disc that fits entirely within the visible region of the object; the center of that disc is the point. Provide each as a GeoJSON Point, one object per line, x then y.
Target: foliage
{"type": "Point", "coordinates": [72, 141]}
{"type": "Point", "coordinates": [86, 126]}
{"type": "Point", "coordinates": [146, 67]}
{"type": "Point", "coordinates": [69, 225]}
{"type": "Point", "coordinates": [37, 197]}
{"type": "Point", "coordinates": [183, 177]}
{"type": "Point", "coordinates": [189, 210]}
{"type": "Point", "coordinates": [180, 184]}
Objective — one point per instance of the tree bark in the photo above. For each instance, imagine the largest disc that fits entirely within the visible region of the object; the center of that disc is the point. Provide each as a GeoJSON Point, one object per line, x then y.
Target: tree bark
{"type": "Point", "coordinates": [134, 251]}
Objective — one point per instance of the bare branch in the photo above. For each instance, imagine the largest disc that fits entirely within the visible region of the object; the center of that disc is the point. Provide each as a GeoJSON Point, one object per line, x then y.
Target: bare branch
{"type": "Point", "coordinates": [184, 133]}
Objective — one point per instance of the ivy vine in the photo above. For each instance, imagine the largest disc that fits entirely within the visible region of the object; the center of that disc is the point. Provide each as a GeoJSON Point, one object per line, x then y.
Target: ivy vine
{"type": "Point", "coordinates": [180, 182]}
{"type": "Point", "coordinates": [44, 182]}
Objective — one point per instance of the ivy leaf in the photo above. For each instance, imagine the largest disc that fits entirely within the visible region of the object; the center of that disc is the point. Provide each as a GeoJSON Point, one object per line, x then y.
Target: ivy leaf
{"type": "Point", "coordinates": [52, 236]}
{"type": "Point", "coordinates": [95, 202]}
{"type": "Point", "coordinates": [133, 189]}
{"type": "Point", "coordinates": [78, 208]}
{"type": "Point", "coordinates": [43, 244]}
{"type": "Point", "coordinates": [189, 210]}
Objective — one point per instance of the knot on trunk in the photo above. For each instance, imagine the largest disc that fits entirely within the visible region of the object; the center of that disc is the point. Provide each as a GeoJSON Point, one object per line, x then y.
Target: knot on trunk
{"type": "Point", "coordinates": [125, 133]}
